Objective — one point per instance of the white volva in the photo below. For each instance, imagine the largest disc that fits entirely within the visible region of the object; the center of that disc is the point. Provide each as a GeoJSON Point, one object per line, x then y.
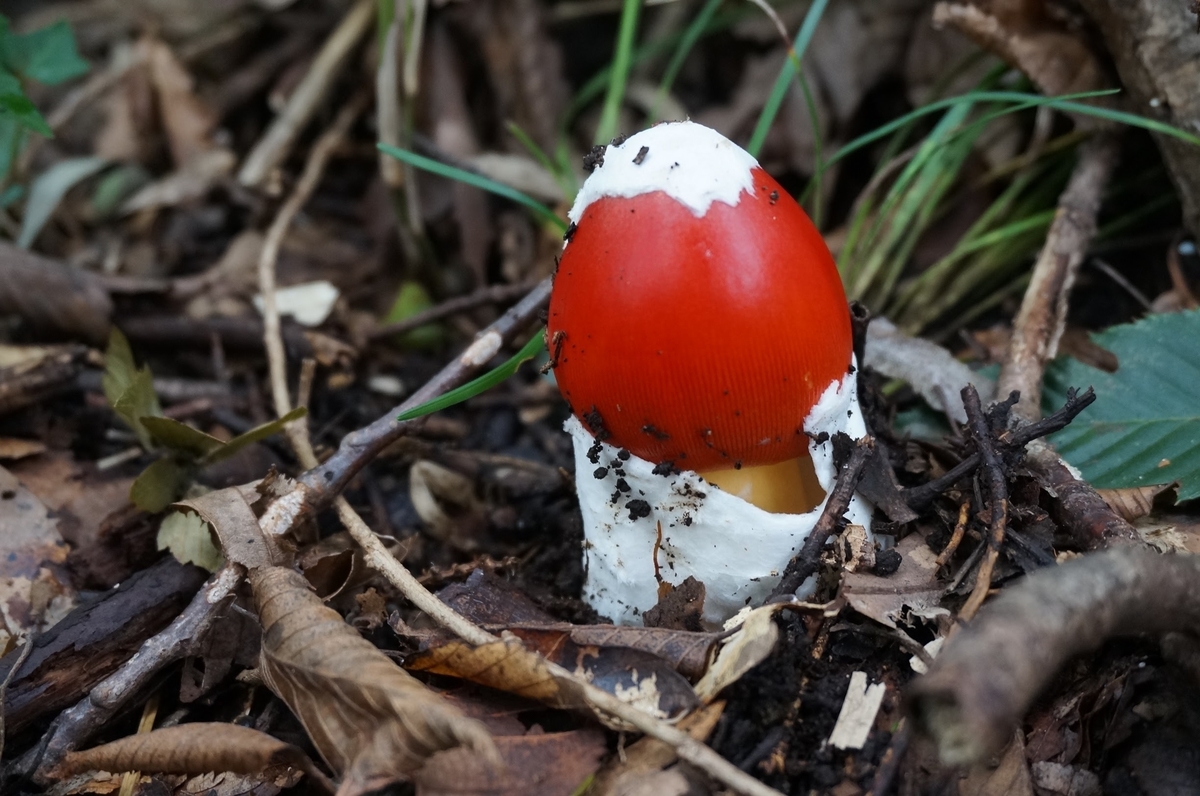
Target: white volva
{"type": "Point", "coordinates": [693, 164]}
{"type": "Point", "coordinates": [737, 550]}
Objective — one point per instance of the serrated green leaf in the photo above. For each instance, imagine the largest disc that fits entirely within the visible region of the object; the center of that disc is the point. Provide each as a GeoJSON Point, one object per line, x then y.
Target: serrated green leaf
{"type": "Point", "coordinates": [189, 538]}
{"type": "Point", "coordinates": [180, 437]}
{"type": "Point", "coordinates": [254, 435]}
{"type": "Point", "coordinates": [1144, 427]}
{"type": "Point", "coordinates": [47, 55]}
{"type": "Point", "coordinates": [130, 392]}
{"type": "Point", "coordinates": [476, 386]}
{"type": "Point", "coordinates": [158, 486]}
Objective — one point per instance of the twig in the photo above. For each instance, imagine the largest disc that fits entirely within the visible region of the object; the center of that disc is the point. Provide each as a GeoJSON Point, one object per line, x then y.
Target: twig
{"type": "Point", "coordinates": [960, 528]}
{"type": "Point", "coordinates": [886, 771]}
{"type": "Point", "coordinates": [990, 673]}
{"type": "Point", "coordinates": [921, 496]}
{"type": "Point", "coordinates": [492, 294]}
{"type": "Point", "coordinates": [318, 157]}
{"type": "Point", "coordinates": [997, 497]}
{"type": "Point", "coordinates": [1078, 508]}
{"type": "Point", "coordinates": [1043, 315]}
{"type": "Point", "coordinates": [806, 562]}
{"type": "Point", "coordinates": [273, 147]}
{"type": "Point", "coordinates": [106, 699]}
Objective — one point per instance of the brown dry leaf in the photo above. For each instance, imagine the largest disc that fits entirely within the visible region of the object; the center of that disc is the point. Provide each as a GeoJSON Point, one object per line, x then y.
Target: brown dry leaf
{"type": "Point", "coordinates": [1133, 503]}
{"type": "Point", "coordinates": [1009, 778]}
{"type": "Point", "coordinates": [12, 448]}
{"type": "Point", "coordinates": [1057, 60]}
{"type": "Point", "coordinates": [29, 373]}
{"type": "Point", "coordinates": [536, 764]}
{"type": "Point", "coordinates": [189, 182]}
{"type": "Point", "coordinates": [649, 755]}
{"type": "Point", "coordinates": [187, 121]}
{"type": "Point", "coordinates": [52, 296]}
{"type": "Point", "coordinates": [446, 502]}
{"type": "Point", "coordinates": [372, 722]}
{"type": "Point", "coordinates": [230, 514]}
{"type": "Point", "coordinates": [750, 645]}
{"type": "Point", "coordinates": [635, 677]}
{"type": "Point", "coordinates": [913, 586]}
{"type": "Point", "coordinates": [196, 748]}
{"type": "Point", "coordinates": [32, 597]}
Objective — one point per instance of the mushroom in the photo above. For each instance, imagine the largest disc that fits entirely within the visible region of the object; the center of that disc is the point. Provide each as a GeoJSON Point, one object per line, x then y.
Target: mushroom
{"type": "Point", "coordinates": [700, 334]}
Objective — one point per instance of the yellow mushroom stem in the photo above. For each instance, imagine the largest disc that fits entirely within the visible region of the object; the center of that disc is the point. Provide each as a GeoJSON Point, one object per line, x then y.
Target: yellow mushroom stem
{"type": "Point", "coordinates": [788, 487]}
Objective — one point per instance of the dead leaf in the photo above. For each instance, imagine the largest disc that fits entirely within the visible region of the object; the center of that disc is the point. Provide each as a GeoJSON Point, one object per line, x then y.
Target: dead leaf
{"type": "Point", "coordinates": [29, 374]}
{"type": "Point", "coordinates": [632, 676]}
{"type": "Point", "coordinates": [187, 120]}
{"type": "Point", "coordinates": [914, 586]}
{"type": "Point", "coordinates": [1133, 503]}
{"type": "Point", "coordinates": [648, 754]}
{"type": "Point", "coordinates": [372, 722]}
{"type": "Point", "coordinates": [229, 513]}
{"type": "Point", "coordinates": [52, 296]}
{"type": "Point", "coordinates": [192, 181]}
{"type": "Point", "coordinates": [535, 764]}
{"type": "Point", "coordinates": [750, 645]}
{"type": "Point", "coordinates": [195, 748]}
{"type": "Point", "coordinates": [32, 596]}
{"type": "Point", "coordinates": [1056, 59]}
{"type": "Point", "coordinates": [1009, 778]}
{"type": "Point", "coordinates": [12, 448]}
{"type": "Point", "coordinates": [446, 502]}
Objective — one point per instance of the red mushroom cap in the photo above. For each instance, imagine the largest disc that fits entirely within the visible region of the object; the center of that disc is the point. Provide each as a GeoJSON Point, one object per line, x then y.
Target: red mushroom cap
{"type": "Point", "coordinates": [703, 340]}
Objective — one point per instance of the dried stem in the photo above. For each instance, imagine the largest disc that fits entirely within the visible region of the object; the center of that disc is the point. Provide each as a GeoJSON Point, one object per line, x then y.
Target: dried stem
{"type": "Point", "coordinates": [805, 563]}
{"type": "Point", "coordinates": [1043, 315]}
{"type": "Point", "coordinates": [990, 673]}
{"type": "Point", "coordinates": [274, 146]}
{"type": "Point", "coordinates": [491, 294]}
{"type": "Point", "coordinates": [996, 489]}
{"type": "Point", "coordinates": [921, 496]}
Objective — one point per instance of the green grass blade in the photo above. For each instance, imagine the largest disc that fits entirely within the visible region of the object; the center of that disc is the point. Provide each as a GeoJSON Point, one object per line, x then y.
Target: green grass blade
{"type": "Point", "coordinates": [790, 67]}
{"type": "Point", "coordinates": [481, 384]}
{"type": "Point", "coordinates": [691, 35]}
{"type": "Point", "coordinates": [606, 130]}
{"type": "Point", "coordinates": [475, 180]}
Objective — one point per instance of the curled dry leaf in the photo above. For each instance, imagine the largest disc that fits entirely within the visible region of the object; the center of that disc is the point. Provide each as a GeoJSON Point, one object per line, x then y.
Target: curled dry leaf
{"type": "Point", "coordinates": [51, 296]}
{"type": "Point", "coordinates": [633, 676]}
{"type": "Point", "coordinates": [372, 722]}
{"type": "Point", "coordinates": [749, 646]}
{"type": "Point", "coordinates": [649, 755]}
{"type": "Point", "coordinates": [536, 764]}
{"type": "Point", "coordinates": [229, 513]}
{"type": "Point", "coordinates": [29, 374]}
{"type": "Point", "coordinates": [912, 588]}
{"type": "Point", "coordinates": [192, 749]}
{"type": "Point", "coordinates": [1133, 503]}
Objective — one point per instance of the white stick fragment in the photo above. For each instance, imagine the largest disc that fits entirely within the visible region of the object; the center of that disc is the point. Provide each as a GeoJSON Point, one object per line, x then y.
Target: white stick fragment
{"type": "Point", "coordinates": [857, 718]}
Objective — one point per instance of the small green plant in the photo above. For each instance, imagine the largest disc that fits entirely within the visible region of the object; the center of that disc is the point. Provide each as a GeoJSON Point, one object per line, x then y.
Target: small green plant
{"type": "Point", "coordinates": [182, 450]}
{"type": "Point", "coordinates": [47, 56]}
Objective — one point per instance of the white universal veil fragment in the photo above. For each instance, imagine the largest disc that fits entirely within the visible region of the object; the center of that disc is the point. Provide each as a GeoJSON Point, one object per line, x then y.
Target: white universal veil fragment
{"type": "Point", "coordinates": [700, 333]}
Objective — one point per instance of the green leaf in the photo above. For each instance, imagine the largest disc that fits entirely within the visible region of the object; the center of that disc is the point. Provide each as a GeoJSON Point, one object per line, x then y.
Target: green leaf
{"type": "Point", "coordinates": [180, 437]}
{"type": "Point", "coordinates": [189, 538]}
{"type": "Point", "coordinates": [15, 106]}
{"type": "Point", "coordinates": [254, 435]}
{"type": "Point", "coordinates": [476, 386]}
{"type": "Point", "coordinates": [47, 55]}
{"type": "Point", "coordinates": [475, 180]}
{"type": "Point", "coordinates": [1144, 427]}
{"type": "Point", "coordinates": [411, 299]}
{"type": "Point", "coordinates": [158, 486]}
{"type": "Point", "coordinates": [48, 191]}
{"type": "Point", "coordinates": [130, 392]}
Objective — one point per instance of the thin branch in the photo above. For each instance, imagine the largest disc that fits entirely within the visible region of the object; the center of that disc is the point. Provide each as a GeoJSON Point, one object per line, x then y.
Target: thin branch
{"type": "Point", "coordinates": [1043, 315]}
{"type": "Point", "coordinates": [273, 148]}
{"type": "Point", "coordinates": [806, 562]}
{"type": "Point", "coordinates": [921, 496]}
{"type": "Point", "coordinates": [491, 294]}
{"type": "Point", "coordinates": [990, 673]}
{"type": "Point", "coordinates": [997, 497]}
